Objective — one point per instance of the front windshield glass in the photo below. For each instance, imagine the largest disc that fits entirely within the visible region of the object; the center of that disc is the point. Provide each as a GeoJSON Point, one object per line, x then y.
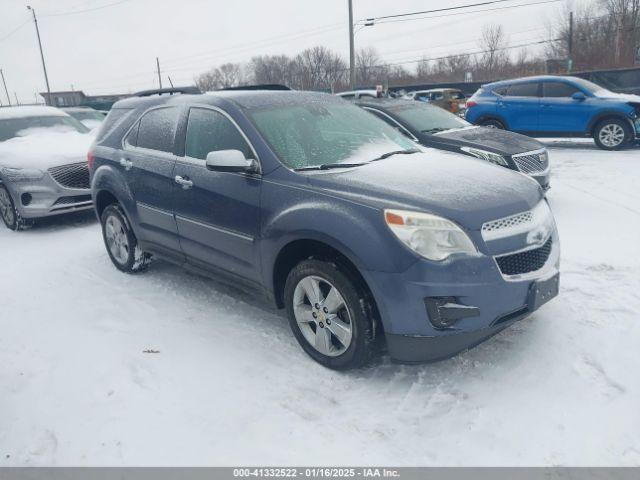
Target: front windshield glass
{"type": "Point", "coordinates": [427, 118]}
{"type": "Point", "coordinates": [17, 127]}
{"type": "Point", "coordinates": [325, 133]}
{"type": "Point", "coordinates": [590, 87]}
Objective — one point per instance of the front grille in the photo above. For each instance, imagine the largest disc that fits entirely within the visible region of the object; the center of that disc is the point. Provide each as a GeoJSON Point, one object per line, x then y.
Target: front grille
{"type": "Point", "coordinates": [525, 262]}
{"type": "Point", "coordinates": [532, 162]}
{"type": "Point", "coordinates": [75, 175]}
{"type": "Point", "coordinates": [507, 222]}
{"type": "Point", "coordinates": [72, 200]}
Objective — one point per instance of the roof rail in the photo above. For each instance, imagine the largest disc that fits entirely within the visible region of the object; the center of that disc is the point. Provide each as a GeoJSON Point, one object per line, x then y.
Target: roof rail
{"type": "Point", "coordinates": [266, 86]}
{"type": "Point", "coordinates": [170, 91]}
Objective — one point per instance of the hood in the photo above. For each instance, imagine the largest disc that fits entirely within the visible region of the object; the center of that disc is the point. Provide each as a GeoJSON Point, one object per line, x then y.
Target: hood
{"type": "Point", "coordinates": [466, 190]}
{"type": "Point", "coordinates": [624, 97]}
{"type": "Point", "coordinates": [42, 149]}
{"type": "Point", "coordinates": [494, 140]}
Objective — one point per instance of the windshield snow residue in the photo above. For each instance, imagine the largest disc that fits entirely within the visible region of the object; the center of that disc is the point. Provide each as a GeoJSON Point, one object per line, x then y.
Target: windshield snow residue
{"type": "Point", "coordinates": [45, 148]}
{"type": "Point", "coordinates": [321, 133]}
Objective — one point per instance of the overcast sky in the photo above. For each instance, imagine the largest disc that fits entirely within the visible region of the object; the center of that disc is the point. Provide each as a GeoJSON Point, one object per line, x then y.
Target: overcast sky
{"type": "Point", "coordinates": [113, 49]}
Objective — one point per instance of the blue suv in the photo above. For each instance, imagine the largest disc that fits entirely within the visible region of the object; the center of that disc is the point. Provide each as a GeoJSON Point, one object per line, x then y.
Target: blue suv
{"type": "Point", "coordinates": [549, 106]}
{"type": "Point", "coordinates": [359, 233]}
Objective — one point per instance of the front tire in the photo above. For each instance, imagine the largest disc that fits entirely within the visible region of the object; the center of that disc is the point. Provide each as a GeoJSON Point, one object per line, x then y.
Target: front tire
{"type": "Point", "coordinates": [9, 213]}
{"type": "Point", "coordinates": [122, 244]}
{"type": "Point", "coordinates": [330, 314]}
{"type": "Point", "coordinates": [612, 134]}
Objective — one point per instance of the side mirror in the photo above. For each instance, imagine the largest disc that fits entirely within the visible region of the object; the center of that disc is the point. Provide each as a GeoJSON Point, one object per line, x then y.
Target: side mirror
{"type": "Point", "coordinates": [231, 161]}
{"type": "Point", "coordinates": [579, 96]}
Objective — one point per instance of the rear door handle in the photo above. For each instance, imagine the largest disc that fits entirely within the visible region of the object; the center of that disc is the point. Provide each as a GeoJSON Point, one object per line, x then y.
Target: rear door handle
{"type": "Point", "coordinates": [184, 182]}
{"type": "Point", "coordinates": [127, 164]}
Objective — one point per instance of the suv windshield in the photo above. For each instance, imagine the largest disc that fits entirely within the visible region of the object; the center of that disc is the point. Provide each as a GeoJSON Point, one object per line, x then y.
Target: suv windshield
{"type": "Point", "coordinates": [15, 127]}
{"type": "Point", "coordinates": [590, 87]}
{"type": "Point", "coordinates": [316, 133]}
{"type": "Point", "coordinates": [427, 118]}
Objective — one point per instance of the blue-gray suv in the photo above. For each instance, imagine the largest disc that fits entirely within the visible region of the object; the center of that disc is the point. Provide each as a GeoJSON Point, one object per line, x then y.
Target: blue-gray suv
{"type": "Point", "coordinates": [365, 238]}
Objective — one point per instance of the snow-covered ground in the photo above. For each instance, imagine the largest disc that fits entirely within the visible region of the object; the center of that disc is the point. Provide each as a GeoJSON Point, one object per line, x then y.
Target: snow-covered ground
{"type": "Point", "coordinates": [229, 385]}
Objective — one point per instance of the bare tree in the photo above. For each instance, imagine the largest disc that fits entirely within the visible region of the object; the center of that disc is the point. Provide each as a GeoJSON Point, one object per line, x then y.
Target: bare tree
{"type": "Point", "coordinates": [494, 59]}
{"type": "Point", "coordinates": [226, 75]}
{"type": "Point", "coordinates": [369, 67]}
{"type": "Point", "coordinates": [271, 69]}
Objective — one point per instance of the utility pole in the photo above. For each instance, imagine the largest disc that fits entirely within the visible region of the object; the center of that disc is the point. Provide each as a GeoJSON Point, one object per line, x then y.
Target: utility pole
{"type": "Point", "coordinates": [570, 44]}
{"type": "Point", "coordinates": [159, 76]}
{"type": "Point", "coordinates": [352, 52]}
{"type": "Point", "coordinates": [44, 66]}
{"type": "Point", "coordinates": [5, 87]}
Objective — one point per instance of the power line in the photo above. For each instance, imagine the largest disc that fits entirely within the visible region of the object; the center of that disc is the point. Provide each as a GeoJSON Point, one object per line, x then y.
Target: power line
{"type": "Point", "coordinates": [74, 12]}
{"type": "Point", "coordinates": [470, 12]}
{"type": "Point", "coordinates": [459, 7]}
{"type": "Point", "coordinates": [15, 30]}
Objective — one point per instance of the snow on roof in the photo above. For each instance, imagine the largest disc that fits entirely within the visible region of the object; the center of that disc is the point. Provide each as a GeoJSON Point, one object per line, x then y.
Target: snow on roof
{"type": "Point", "coordinates": [30, 111]}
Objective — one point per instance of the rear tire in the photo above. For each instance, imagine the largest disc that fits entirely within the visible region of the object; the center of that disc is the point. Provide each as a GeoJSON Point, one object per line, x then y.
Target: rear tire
{"type": "Point", "coordinates": [330, 314]}
{"type": "Point", "coordinates": [121, 243]}
{"type": "Point", "coordinates": [492, 123]}
{"type": "Point", "coordinates": [612, 134]}
{"type": "Point", "coordinates": [9, 213]}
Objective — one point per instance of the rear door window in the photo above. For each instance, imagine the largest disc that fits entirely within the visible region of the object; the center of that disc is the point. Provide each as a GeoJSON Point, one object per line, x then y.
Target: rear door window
{"type": "Point", "coordinates": [210, 131]}
{"type": "Point", "coordinates": [558, 90]}
{"type": "Point", "coordinates": [158, 128]}
{"type": "Point", "coordinates": [523, 90]}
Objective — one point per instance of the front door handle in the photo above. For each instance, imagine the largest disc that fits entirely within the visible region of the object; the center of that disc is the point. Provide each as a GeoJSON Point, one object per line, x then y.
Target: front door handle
{"type": "Point", "coordinates": [184, 182]}
{"type": "Point", "coordinates": [127, 164]}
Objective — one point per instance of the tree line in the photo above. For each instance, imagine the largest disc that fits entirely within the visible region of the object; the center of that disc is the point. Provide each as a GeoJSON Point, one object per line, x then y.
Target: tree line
{"type": "Point", "coordinates": [606, 34]}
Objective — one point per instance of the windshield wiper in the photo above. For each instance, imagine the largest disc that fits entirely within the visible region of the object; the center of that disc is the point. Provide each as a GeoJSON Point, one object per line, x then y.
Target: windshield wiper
{"type": "Point", "coordinates": [329, 166]}
{"type": "Point", "coordinates": [434, 130]}
{"type": "Point", "coordinates": [396, 152]}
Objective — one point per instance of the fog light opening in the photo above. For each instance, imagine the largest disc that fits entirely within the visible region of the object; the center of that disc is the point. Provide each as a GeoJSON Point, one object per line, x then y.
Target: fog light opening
{"type": "Point", "coordinates": [26, 199]}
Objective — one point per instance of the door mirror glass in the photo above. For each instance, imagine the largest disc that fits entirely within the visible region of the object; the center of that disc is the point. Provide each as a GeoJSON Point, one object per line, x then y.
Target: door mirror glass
{"type": "Point", "coordinates": [579, 96]}
{"type": "Point", "coordinates": [230, 161]}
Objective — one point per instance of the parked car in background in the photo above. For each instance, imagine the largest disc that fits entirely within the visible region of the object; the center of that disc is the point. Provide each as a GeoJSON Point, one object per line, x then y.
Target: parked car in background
{"type": "Point", "coordinates": [356, 94]}
{"type": "Point", "coordinates": [549, 106]}
{"type": "Point", "coordinates": [434, 127]}
{"type": "Point", "coordinates": [43, 164]}
{"type": "Point", "coordinates": [275, 191]}
{"type": "Point", "coordinates": [89, 117]}
{"type": "Point", "coordinates": [451, 99]}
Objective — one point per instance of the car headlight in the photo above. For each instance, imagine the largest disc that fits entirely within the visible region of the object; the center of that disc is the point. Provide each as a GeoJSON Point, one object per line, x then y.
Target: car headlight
{"type": "Point", "coordinates": [430, 236]}
{"type": "Point", "coordinates": [484, 155]}
{"type": "Point", "coordinates": [21, 174]}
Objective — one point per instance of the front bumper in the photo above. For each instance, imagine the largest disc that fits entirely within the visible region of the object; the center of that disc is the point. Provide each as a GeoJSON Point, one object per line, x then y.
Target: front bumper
{"type": "Point", "coordinates": [45, 197]}
{"type": "Point", "coordinates": [473, 282]}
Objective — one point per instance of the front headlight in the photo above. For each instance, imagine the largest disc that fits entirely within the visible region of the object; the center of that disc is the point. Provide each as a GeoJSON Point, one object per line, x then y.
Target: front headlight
{"type": "Point", "coordinates": [488, 156]}
{"type": "Point", "coordinates": [430, 236]}
{"type": "Point", "coordinates": [21, 174]}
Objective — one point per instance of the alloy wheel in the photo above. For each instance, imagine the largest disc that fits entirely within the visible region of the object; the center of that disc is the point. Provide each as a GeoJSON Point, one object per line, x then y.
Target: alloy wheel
{"type": "Point", "coordinates": [117, 239]}
{"type": "Point", "coordinates": [322, 316]}
{"type": "Point", "coordinates": [611, 135]}
{"type": "Point", "coordinates": [6, 207]}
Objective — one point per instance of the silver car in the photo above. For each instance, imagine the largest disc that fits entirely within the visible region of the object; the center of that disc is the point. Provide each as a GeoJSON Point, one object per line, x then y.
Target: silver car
{"type": "Point", "coordinates": [43, 164]}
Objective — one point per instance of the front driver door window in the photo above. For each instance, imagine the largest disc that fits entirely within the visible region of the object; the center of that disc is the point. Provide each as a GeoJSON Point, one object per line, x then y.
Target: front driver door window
{"type": "Point", "coordinates": [218, 215]}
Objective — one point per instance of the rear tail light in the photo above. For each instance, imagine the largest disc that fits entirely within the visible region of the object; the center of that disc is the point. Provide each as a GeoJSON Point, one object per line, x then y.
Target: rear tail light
{"type": "Point", "coordinates": [471, 103]}
{"type": "Point", "coordinates": [90, 160]}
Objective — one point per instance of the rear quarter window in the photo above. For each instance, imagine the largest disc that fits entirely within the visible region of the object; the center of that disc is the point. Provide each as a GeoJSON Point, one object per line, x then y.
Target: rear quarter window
{"type": "Point", "coordinates": [113, 119]}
